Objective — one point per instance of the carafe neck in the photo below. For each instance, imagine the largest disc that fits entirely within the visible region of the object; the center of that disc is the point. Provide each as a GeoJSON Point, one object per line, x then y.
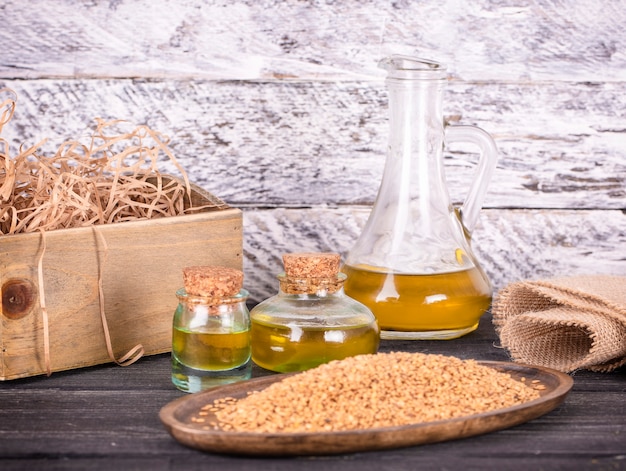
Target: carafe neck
{"type": "Point", "coordinates": [416, 126]}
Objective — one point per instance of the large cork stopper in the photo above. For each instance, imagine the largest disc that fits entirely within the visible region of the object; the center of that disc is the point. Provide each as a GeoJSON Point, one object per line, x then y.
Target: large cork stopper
{"type": "Point", "coordinates": [212, 281]}
{"type": "Point", "coordinates": [311, 265]}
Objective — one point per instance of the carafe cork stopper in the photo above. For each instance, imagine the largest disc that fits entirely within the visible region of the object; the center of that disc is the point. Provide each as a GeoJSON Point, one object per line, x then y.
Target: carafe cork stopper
{"type": "Point", "coordinates": [212, 281]}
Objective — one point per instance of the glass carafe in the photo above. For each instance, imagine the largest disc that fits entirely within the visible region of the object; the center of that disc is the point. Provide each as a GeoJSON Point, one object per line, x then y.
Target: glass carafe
{"type": "Point", "coordinates": [413, 265]}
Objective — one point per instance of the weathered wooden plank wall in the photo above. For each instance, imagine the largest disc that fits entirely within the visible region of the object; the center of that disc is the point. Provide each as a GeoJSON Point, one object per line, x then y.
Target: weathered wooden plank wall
{"type": "Point", "coordinates": [278, 107]}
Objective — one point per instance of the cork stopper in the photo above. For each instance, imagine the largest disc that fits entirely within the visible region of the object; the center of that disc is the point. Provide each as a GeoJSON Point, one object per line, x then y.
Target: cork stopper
{"type": "Point", "coordinates": [311, 273]}
{"type": "Point", "coordinates": [212, 281]}
{"type": "Point", "coordinates": [311, 265]}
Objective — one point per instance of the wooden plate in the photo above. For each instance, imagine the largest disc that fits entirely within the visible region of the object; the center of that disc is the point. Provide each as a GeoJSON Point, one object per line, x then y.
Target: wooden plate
{"type": "Point", "coordinates": [176, 416]}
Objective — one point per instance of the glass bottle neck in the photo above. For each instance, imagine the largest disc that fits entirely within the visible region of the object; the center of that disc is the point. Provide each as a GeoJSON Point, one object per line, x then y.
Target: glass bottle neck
{"type": "Point", "coordinates": [415, 118]}
{"type": "Point", "coordinates": [190, 299]}
{"type": "Point", "coordinates": [320, 287]}
{"type": "Point", "coordinates": [413, 174]}
{"type": "Point", "coordinates": [399, 66]}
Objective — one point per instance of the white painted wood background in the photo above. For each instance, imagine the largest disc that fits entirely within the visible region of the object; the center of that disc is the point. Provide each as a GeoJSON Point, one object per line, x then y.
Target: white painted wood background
{"type": "Point", "coordinates": [278, 107]}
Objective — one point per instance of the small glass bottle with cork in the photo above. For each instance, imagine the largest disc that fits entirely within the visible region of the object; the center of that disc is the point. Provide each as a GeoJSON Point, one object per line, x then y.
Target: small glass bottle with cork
{"type": "Point", "coordinates": [211, 329]}
{"type": "Point", "coordinates": [310, 321]}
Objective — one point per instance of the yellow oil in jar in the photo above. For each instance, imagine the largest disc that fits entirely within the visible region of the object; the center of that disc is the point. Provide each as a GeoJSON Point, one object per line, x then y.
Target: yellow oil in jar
{"type": "Point", "coordinates": [211, 351]}
{"type": "Point", "coordinates": [452, 301]}
{"type": "Point", "coordinates": [284, 348]}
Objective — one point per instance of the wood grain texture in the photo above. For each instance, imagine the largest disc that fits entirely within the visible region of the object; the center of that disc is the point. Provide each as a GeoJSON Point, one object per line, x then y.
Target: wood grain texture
{"type": "Point", "coordinates": [140, 267]}
{"type": "Point", "coordinates": [107, 417]}
{"type": "Point", "coordinates": [283, 144]}
{"type": "Point", "coordinates": [278, 107]}
{"type": "Point", "coordinates": [581, 40]}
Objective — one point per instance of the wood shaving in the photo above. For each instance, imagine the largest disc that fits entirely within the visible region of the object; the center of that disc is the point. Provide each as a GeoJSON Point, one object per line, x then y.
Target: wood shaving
{"type": "Point", "coordinates": [115, 178]}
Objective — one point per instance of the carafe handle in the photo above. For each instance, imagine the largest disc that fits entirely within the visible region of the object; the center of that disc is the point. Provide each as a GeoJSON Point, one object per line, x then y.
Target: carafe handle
{"type": "Point", "coordinates": [472, 205]}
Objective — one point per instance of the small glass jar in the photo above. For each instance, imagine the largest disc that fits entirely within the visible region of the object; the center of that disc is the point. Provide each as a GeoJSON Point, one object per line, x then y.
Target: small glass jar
{"type": "Point", "coordinates": [210, 339]}
{"type": "Point", "coordinates": [310, 321]}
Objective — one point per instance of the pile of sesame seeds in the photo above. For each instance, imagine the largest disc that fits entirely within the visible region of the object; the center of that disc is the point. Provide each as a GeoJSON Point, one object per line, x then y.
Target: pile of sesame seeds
{"type": "Point", "coordinates": [371, 391]}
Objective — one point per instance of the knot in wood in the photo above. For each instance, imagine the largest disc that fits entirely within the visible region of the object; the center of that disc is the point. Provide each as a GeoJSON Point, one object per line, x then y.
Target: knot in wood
{"type": "Point", "coordinates": [18, 298]}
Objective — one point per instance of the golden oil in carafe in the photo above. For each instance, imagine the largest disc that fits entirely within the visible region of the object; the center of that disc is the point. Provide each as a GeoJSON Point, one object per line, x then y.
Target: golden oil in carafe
{"type": "Point", "coordinates": [211, 351]}
{"type": "Point", "coordinates": [441, 305]}
{"type": "Point", "coordinates": [287, 348]}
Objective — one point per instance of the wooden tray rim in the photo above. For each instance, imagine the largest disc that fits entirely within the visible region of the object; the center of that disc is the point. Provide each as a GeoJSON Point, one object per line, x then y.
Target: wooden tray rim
{"type": "Point", "coordinates": [327, 443]}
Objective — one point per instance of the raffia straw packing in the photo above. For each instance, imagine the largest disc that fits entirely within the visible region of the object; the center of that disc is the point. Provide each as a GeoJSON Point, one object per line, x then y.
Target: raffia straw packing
{"type": "Point", "coordinates": [114, 178]}
{"type": "Point", "coordinates": [85, 254]}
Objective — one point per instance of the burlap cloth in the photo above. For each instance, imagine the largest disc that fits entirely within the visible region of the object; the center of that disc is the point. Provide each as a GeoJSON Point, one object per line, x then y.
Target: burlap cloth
{"type": "Point", "coordinates": [564, 323]}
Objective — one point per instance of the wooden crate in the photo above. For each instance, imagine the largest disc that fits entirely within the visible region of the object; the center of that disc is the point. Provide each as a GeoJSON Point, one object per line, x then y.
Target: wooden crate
{"type": "Point", "coordinates": [140, 266]}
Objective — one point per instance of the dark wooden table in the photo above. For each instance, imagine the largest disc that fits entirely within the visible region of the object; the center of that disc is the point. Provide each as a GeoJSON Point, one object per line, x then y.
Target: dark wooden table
{"type": "Point", "coordinates": [106, 417]}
